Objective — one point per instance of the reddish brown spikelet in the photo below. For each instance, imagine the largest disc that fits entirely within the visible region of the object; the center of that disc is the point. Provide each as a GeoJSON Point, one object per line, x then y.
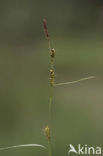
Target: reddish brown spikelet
{"type": "Point", "coordinates": [45, 28]}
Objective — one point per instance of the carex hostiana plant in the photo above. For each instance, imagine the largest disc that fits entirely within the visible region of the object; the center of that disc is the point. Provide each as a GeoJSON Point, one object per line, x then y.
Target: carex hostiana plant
{"type": "Point", "coordinates": [53, 84]}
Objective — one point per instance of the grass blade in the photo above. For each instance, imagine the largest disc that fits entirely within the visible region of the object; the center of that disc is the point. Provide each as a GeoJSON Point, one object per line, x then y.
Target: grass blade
{"type": "Point", "coordinates": [73, 82]}
{"type": "Point", "coordinates": [25, 145]}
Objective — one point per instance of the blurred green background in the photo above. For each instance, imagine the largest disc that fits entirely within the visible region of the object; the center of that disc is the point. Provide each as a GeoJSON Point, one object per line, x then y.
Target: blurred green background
{"type": "Point", "coordinates": [76, 31]}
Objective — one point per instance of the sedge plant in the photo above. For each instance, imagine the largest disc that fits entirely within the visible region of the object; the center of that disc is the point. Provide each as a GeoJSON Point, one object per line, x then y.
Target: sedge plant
{"type": "Point", "coordinates": [53, 84]}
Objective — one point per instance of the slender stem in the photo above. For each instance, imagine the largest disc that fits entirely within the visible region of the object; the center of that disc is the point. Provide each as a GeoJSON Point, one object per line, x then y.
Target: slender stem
{"type": "Point", "coordinates": [49, 45]}
{"type": "Point", "coordinates": [47, 129]}
{"type": "Point", "coordinates": [49, 148]}
{"type": "Point", "coordinates": [50, 112]}
{"type": "Point", "coordinates": [50, 103]}
{"type": "Point", "coordinates": [51, 87]}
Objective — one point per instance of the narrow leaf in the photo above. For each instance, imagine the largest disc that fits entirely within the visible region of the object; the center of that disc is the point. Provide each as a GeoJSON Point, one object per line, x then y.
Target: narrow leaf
{"type": "Point", "coordinates": [25, 145]}
{"type": "Point", "coordinates": [73, 82]}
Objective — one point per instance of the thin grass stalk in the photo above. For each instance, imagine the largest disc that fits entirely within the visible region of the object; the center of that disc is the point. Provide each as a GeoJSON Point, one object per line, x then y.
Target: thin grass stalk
{"type": "Point", "coordinates": [48, 129]}
{"type": "Point", "coordinates": [49, 148]}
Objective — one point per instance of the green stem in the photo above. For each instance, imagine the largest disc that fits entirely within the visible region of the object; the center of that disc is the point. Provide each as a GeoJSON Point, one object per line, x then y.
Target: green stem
{"type": "Point", "coordinates": [50, 104]}
{"type": "Point", "coordinates": [49, 148]}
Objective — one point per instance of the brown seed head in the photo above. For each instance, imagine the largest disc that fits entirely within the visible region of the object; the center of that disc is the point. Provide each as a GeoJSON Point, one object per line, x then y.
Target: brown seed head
{"type": "Point", "coordinates": [45, 28]}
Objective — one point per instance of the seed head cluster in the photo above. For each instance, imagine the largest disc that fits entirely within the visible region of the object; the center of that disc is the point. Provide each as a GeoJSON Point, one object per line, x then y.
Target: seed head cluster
{"type": "Point", "coordinates": [47, 132]}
